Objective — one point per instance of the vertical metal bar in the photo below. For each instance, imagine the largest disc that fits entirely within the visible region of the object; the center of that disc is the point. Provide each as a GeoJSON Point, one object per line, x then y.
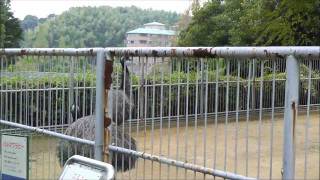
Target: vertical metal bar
{"type": "Point", "coordinates": [124, 71]}
{"type": "Point", "coordinates": [153, 111]}
{"type": "Point", "coordinates": [272, 116]}
{"type": "Point", "coordinates": [291, 106]}
{"type": "Point", "coordinates": [195, 132]}
{"type": "Point", "coordinates": [226, 118]}
{"type": "Point", "coordinates": [115, 119]}
{"type": "Point", "coordinates": [161, 114]}
{"type": "Point", "coordinates": [260, 117]}
{"type": "Point", "coordinates": [169, 114]}
{"type": "Point", "coordinates": [237, 120]}
{"type": "Point", "coordinates": [187, 117]}
{"type": "Point", "coordinates": [71, 90]}
{"type": "Point", "coordinates": [92, 84]}
{"type": "Point", "coordinates": [247, 116]}
{"type": "Point", "coordinates": [140, 105]}
{"type": "Point", "coordinates": [145, 113]}
{"type": "Point", "coordinates": [99, 124]}
{"type": "Point", "coordinates": [178, 116]}
{"type": "Point", "coordinates": [205, 118]}
{"type": "Point", "coordinates": [131, 100]}
{"type": "Point", "coordinates": [307, 124]}
{"type": "Point", "coordinates": [216, 113]}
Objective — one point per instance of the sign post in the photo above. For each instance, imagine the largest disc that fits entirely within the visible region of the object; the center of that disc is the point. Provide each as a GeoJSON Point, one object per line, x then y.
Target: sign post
{"type": "Point", "coordinates": [14, 157]}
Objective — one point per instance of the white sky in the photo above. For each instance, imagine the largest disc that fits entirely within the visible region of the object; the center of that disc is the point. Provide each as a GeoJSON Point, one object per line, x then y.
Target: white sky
{"type": "Point", "coordinates": [42, 8]}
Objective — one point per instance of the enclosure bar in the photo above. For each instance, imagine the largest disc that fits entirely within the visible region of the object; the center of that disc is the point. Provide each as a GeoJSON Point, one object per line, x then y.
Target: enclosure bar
{"type": "Point", "coordinates": [47, 132]}
{"type": "Point", "coordinates": [216, 113]}
{"type": "Point", "coordinates": [247, 115]}
{"type": "Point", "coordinates": [195, 130]}
{"type": "Point", "coordinates": [260, 119]}
{"type": "Point", "coordinates": [205, 118]}
{"type": "Point", "coordinates": [169, 116]}
{"type": "Point", "coordinates": [307, 124]}
{"type": "Point", "coordinates": [189, 166]}
{"type": "Point", "coordinates": [51, 51]}
{"type": "Point", "coordinates": [226, 118]}
{"type": "Point", "coordinates": [272, 116]}
{"type": "Point", "coordinates": [248, 52]}
{"type": "Point", "coordinates": [237, 120]}
{"type": "Point", "coordinates": [99, 124]}
{"type": "Point", "coordinates": [291, 109]}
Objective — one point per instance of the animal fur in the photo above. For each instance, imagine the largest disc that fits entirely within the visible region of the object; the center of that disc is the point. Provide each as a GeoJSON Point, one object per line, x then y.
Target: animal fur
{"type": "Point", "coordinates": [85, 128]}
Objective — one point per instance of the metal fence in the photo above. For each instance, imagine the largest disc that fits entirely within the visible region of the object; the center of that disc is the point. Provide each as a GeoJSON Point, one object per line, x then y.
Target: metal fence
{"type": "Point", "coordinates": [230, 112]}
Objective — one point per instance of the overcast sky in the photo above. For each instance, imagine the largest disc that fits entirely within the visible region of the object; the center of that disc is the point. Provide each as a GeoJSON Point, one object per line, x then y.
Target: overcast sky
{"type": "Point", "coordinates": [42, 8]}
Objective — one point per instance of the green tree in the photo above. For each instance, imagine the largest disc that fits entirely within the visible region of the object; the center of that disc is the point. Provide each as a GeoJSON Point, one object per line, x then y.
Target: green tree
{"type": "Point", "coordinates": [41, 39]}
{"type": "Point", "coordinates": [29, 22]}
{"type": "Point", "coordinates": [208, 26]}
{"type": "Point", "coordinates": [289, 22]}
{"type": "Point", "coordinates": [10, 30]}
{"type": "Point", "coordinates": [259, 22]}
{"type": "Point", "coordinates": [93, 26]}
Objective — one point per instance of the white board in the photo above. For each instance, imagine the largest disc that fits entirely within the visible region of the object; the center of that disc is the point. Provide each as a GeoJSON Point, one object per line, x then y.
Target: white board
{"type": "Point", "coordinates": [14, 157]}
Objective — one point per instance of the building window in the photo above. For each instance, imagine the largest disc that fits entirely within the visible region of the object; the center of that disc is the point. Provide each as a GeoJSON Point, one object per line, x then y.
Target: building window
{"type": "Point", "coordinates": [144, 35]}
{"type": "Point", "coordinates": [143, 42]}
{"type": "Point", "coordinates": [132, 42]}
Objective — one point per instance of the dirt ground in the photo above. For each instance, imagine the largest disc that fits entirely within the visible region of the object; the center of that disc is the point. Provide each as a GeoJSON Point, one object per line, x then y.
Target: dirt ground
{"type": "Point", "coordinates": [188, 143]}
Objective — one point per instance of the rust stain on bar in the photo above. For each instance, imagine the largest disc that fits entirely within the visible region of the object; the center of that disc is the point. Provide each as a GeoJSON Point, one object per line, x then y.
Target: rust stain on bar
{"type": "Point", "coordinates": [294, 109]}
{"type": "Point", "coordinates": [154, 53]}
{"type": "Point", "coordinates": [107, 120]}
{"type": "Point", "coordinates": [23, 52]}
{"type": "Point", "coordinates": [203, 52]}
{"type": "Point", "coordinates": [107, 74]}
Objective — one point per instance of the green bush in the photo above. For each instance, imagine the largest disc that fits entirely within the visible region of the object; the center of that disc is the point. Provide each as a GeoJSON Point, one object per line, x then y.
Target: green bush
{"type": "Point", "coordinates": [50, 105]}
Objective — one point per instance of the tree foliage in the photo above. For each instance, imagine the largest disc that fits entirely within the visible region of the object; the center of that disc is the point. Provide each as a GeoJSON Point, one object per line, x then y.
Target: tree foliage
{"type": "Point", "coordinates": [29, 22]}
{"type": "Point", "coordinates": [93, 26]}
{"type": "Point", "coordinates": [259, 22]}
{"type": "Point", "coordinates": [10, 30]}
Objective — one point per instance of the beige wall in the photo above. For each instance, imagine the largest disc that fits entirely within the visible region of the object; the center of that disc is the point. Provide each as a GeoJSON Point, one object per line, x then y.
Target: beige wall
{"type": "Point", "coordinates": [147, 40]}
{"type": "Point", "coordinates": [155, 27]}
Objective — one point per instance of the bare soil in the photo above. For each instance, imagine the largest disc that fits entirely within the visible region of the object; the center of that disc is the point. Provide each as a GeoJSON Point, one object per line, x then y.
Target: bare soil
{"type": "Point", "coordinates": [207, 147]}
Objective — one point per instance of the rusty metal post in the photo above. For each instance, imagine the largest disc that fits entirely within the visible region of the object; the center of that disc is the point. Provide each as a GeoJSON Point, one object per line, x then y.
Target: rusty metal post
{"type": "Point", "coordinates": [290, 115]}
{"type": "Point", "coordinates": [102, 134]}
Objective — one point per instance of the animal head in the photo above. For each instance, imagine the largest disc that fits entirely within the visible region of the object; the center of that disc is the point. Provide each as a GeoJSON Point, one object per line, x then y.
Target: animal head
{"type": "Point", "coordinates": [75, 112]}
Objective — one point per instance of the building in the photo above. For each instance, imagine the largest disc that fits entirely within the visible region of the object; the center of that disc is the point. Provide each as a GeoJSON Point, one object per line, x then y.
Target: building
{"type": "Point", "coordinates": [151, 34]}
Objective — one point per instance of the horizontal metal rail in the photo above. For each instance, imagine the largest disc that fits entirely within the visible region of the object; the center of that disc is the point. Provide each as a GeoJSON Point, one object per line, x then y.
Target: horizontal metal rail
{"type": "Point", "coordinates": [189, 166]}
{"type": "Point", "coordinates": [50, 51]}
{"type": "Point", "coordinates": [214, 52]}
{"type": "Point", "coordinates": [245, 52]}
{"type": "Point", "coordinates": [50, 133]}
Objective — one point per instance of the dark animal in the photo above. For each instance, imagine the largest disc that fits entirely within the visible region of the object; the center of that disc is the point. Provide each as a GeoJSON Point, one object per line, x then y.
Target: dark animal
{"type": "Point", "coordinates": [84, 128]}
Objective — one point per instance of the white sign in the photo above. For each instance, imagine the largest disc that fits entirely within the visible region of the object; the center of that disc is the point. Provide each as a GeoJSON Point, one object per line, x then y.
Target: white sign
{"type": "Point", "coordinates": [81, 172]}
{"type": "Point", "coordinates": [82, 168]}
{"type": "Point", "coordinates": [14, 157]}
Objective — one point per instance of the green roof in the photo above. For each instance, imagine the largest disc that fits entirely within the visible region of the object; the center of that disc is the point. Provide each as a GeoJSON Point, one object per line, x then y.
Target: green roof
{"type": "Point", "coordinates": [151, 31]}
